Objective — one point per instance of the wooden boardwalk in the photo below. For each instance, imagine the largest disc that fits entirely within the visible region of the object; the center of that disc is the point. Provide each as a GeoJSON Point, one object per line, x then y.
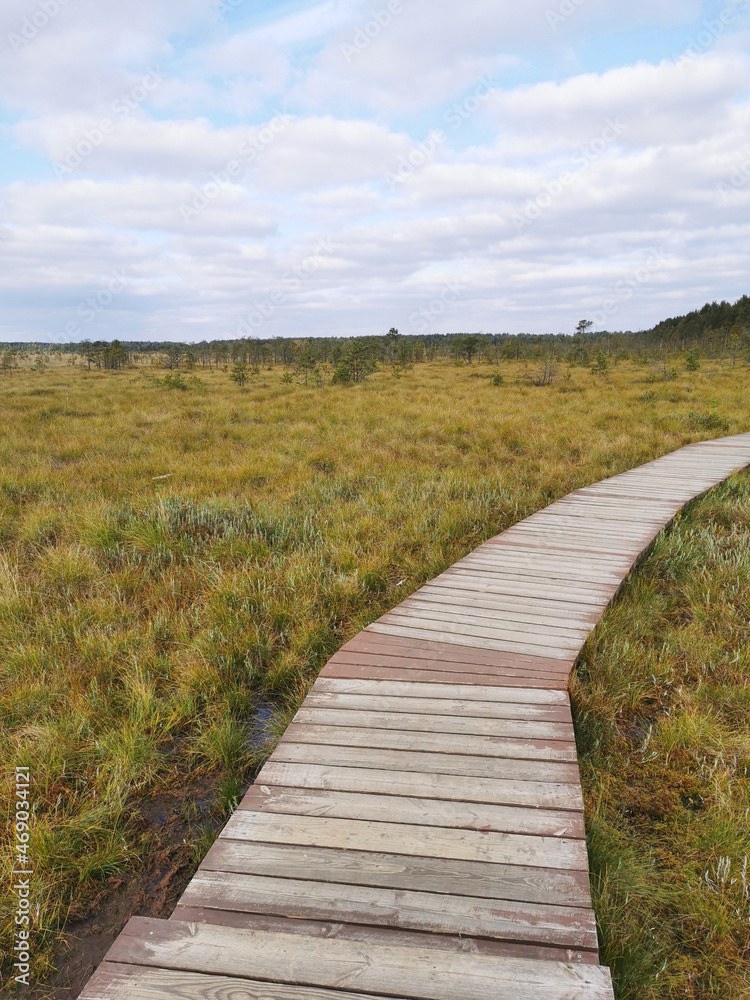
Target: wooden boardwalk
{"type": "Point", "coordinates": [419, 831]}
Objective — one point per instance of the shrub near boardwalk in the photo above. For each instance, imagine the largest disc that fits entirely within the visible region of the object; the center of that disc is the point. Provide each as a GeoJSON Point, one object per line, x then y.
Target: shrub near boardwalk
{"type": "Point", "coordinates": [171, 562]}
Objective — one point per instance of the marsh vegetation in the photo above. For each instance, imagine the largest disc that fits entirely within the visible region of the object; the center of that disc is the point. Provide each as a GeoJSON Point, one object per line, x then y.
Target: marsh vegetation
{"type": "Point", "coordinates": [179, 558]}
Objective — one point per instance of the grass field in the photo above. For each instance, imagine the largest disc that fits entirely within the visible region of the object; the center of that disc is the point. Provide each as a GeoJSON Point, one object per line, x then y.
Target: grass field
{"type": "Point", "coordinates": [177, 564]}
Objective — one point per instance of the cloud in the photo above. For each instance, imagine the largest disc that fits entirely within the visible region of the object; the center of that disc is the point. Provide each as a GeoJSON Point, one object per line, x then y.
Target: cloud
{"type": "Point", "coordinates": [263, 138]}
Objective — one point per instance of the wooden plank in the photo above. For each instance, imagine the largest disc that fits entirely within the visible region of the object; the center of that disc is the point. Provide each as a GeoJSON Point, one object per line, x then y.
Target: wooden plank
{"type": "Point", "coordinates": [368, 642]}
{"type": "Point", "coordinates": [531, 923]}
{"type": "Point", "coordinates": [544, 666]}
{"type": "Point", "coordinates": [462, 636]}
{"type": "Point", "coordinates": [409, 838]}
{"type": "Point", "coordinates": [423, 974]}
{"type": "Point", "coordinates": [421, 812]}
{"type": "Point", "coordinates": [476, 708]}
{"type": "Point", "coordinates": [579, 567]}
{"type": "Point", "coordinates": [491, 624]}
{"type": "Point", "coordinates": [421, 601]}
{"type": "Point", "coordinates": [474, 746]}
{"type": "Point", "coordinates": [538, 580]}
{"type": "Point", "coordinates": [401, 937]}
{"type": "Point", "coordinates": [522, 729]}
{"type": "Point", "coordinates": [535, 607]}
{"type": "Point", "coordinates": [426, 762]}
{"type": "Point", "coordinates": [400, 871]}
{"type": "Point", "coordinates": [494, 584]}
{"type": "Point", "coordinates": [464, 692]}
{"type": "Point", "coordinates": [118, 981]}
{"type": "Point", "coordinates": [508, 665]}
{"type": "Point", "coordinates": [557, 543]}
{"type": "Point", "coordinates": [529, 794]}
{"type": "Point", "coordinates": [354, 671]}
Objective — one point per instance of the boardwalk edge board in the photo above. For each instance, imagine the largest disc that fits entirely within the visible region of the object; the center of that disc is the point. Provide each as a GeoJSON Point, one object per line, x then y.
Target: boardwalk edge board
{"type": "Point", "coordinates": [418, 832]}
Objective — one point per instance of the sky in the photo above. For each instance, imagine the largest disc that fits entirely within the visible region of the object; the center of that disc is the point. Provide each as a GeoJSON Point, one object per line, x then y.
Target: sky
{"type": "Point", "coordinates": [209, 169]}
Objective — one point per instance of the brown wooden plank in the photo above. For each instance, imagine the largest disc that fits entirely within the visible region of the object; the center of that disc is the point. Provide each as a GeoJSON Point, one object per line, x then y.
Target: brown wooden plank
{"type": "Point", "coordinates": [491, 625]}
{"type": "Point", "coordinates": [478, 708]}
{"type": "Point", "coordinates": [523, 729]}
{"type": "Point", "coordinates": [554, 611]}
{"type": "Point", "coordinates": [117, 981]}
{"type": "Point", "coordinates": [474, 746]}
{"type": "Point", "coordinates": [438, 652]}
{"type": "Point", "coordinates": [492, 611]}
{"type": "Point", "coordinates": [355, 671]}
{"type": "Point", "coordinates": [412, 811]}
{"type": "Point", "coordinates": [451, 692]}
{"type": "Point", "coordinates": [424, 974]}
{"type": "Point", "coordinates": [400, 871]}
{"type": "Point", "coordinates": [508, 667]}
{"type": "Point", "coordinates": [419, 785]}
{"type": "Point", "coordinates": [458, 843]}
{"type": "Point", "coordinates": [460, 635]}
{"type": "Point", "coordinates": [422, 812]}
{"type": "Point", "coordinates": [402, 937]}
{"type": "Point", "coordinates": [531, 923]}
{"type": "Point", "coordinates": [424, 762]}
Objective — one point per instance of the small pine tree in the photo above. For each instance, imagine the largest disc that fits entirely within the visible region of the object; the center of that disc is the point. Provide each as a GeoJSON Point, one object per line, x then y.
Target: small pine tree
{"type": "Point", "coordinates": [239, 373]}
{"type": "Point", "coordinates": [601, 367]}
{"type": "Point", "coordinates": [692, 361]}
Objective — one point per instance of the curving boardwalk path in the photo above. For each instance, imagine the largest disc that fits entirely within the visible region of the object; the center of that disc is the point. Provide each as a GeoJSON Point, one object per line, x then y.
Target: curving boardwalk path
{"type": "Point", "coordinates": [418, 833]}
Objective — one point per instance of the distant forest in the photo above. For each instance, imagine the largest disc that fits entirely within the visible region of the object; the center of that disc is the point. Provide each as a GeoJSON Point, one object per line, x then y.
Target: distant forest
{"type": "Point", "coordinates": [718, 330]}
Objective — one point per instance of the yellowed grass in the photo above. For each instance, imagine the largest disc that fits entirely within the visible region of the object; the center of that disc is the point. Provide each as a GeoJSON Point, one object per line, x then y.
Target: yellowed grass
{"type": "Point", "coordinates": [171, 560]}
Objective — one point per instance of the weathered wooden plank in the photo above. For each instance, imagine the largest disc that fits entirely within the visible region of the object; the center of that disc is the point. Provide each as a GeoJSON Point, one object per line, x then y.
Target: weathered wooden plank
{"type": "Point", "coordinates": [490, 624]}
{"type": "Point", "coordinates": [117, 981]}
{"type": "Point", "coordinates": [554, 581]}
{"type": "Point", "coordinates": [414, 705]}
{"type": "Point", "coordinates": [401, 871]}
{"type": "Point", "coordinates": [423, 812]}
{"type": "Point", "coordinates": [474, 746]}
{"type": "Point", "coordinates": [570, 597]}
{"type": "Point", "coordinates": [417, 784]}
{"type": "Point", "coordinates": [350, 671]}
{"type": "Point", "coordinates": [517, 621]}
{"type": "Point", "coordinates": [523, 729]}
{"type": "Point", "coordinates": [413, 668]}
{"type": "Point", "coordinates": [531, 923]}
{"type": "Point", "coordinates": [368, 933]}
{"type": "Point", "coordinates": [463, 692]}
{"type": "Point", "coordinates": [368, 642]}
{"type": "Point", "coordinates": [462, 636]}
{"type": "Point", "coordinates": [423, 974]}
{"type": "Point", "coordinates": [409, 838]}
{"type": "Point", "coordinates": [607, 569]}
{"type": "Point", "coordinates": [538, 607]}
{"type": "Point", "coordinates": [506, 665]}
{"type": "Point", "coordinates": [426, 762]}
